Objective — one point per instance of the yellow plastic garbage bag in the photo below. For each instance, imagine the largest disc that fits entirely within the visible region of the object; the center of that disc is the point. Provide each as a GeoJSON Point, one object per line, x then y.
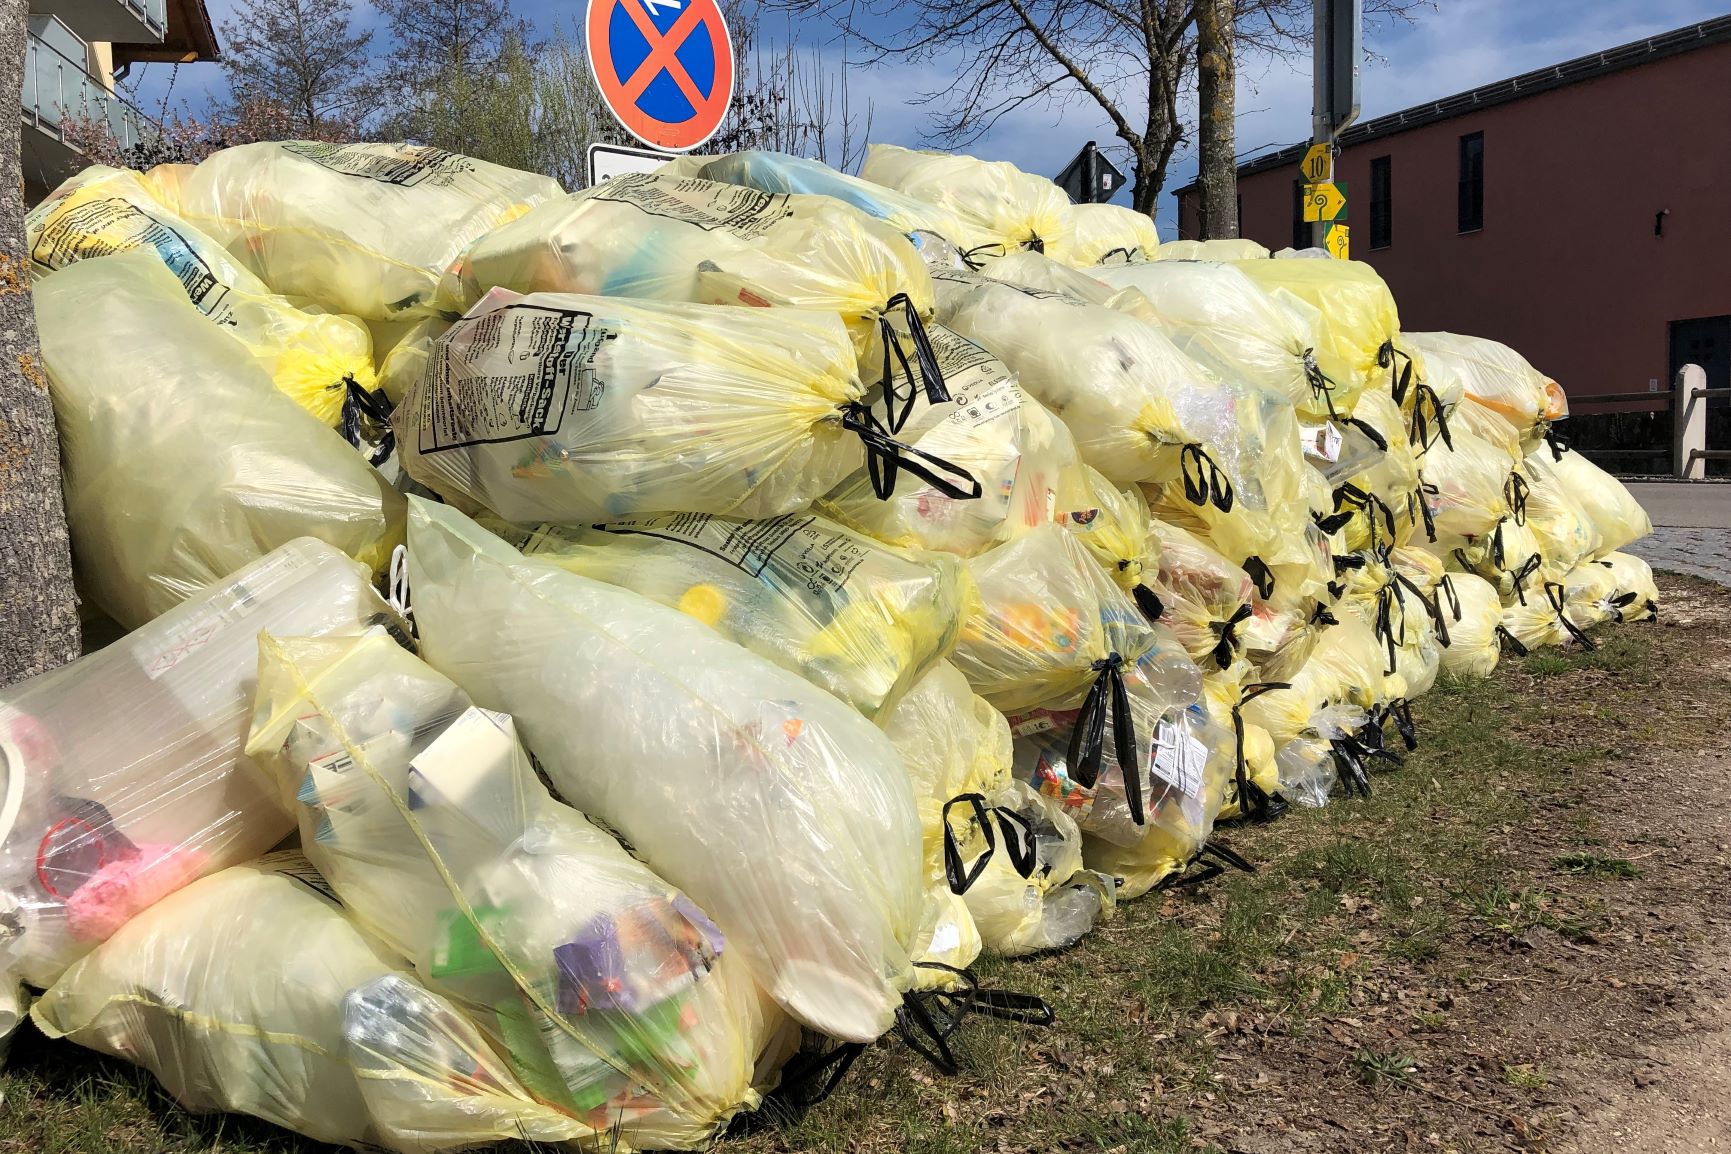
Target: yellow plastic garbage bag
{"type": "Point", "coordinates": [955, 749]}
{"type": "Point", "coordinates": [1047, 625]}
{"type": "Point", "coordinates": [859, 618]}
{"type": "Point", "coordinates": [781, 811]}
{"type": "Point", "coordinates": [1252, 789]}
{"type": "Point", "coordinates": [250, 992]}
{"type": "Point", "coordinates": [405, 363]}
{"type": "Point", "coordinates": [1406, 620]}
{"type": "Point", "coordinates": [1186, 746]}
{"type": "Point", "coordinates": [367, 229]}
{"type": "Point", "coordinates": [1206, 599]}
{"type": "Point", "coordinates": [1508, 557]}
{"type": "Point", "coordinates": [572, 409]}
{"type": "Point", "coordinates": [1360, 342]}
{"type": "Point", "coordinates": [1234, 249]}
{"type": "Point", "coordinates": [1015, 208]}
{"type": "Point", "coordinates": [1381, 506]}
{"type": "Point", "coordinates": [181, 462]}
{"type": "Point", "coordinates": [1220, 317]}
{"type": "Point", "coordinates": [1102, 761]}
{"type": "Point", "coordinates": [777, 172]}
{"type": "Point", "coordinates": [697, 241]}
{"type": "Point", "coordinates": [1011, 859]}
{"type": "Point", "coordinates": [1567, 533]}
{"type": "Point", "coordinates": [1345, 669]}
{"type": "Point", "coordinates": [1496, 378]}
{"type": "Point", "coordinates": [1115, 526]}
{"type": "Point", "coordinates": [123, 771]}
{"type": "Point", "coordinates": [611, 994]}
{"type": "Point", "coordinates": [1607, 502]}
{"type": "Point", "coordinates": [312, 357]}
{"type": "Point", "coordinates": [1325, 756]}
{"type": "Point", "coordinates": [1137, 406]}
{"type": "Point", "coordinates": [1547, 618]}
{"type": "Point", "coordinates": [1110, 234]}
{"type": "Point", "coordinates": [1023, 457]}
{"type": "Point", "coordinates": [1635, 576]}
{"type": "Point", "coordinates": [1026, 269]}
{"type": "Point", "coordinates": [1463, 481]}
{"type": "Point", "coordinates": [1476, 615]}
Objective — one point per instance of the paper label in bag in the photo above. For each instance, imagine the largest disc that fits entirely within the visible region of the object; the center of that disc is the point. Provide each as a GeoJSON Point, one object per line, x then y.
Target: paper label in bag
{"type": "Point", "coordinates": [743, 212]}
{"type": "Point", "coordinates": [1320, 441]}
{"type": "Point", "coordinates": [797, 546]}
{"type": "Point", "coordinates": [405, 165]}
{"type": "Point", "coordinates": [1179, 760]}
{"type": "Point", "coordinates": [100, 227]}
{"type": "Point", "coordinates": [523, 369]}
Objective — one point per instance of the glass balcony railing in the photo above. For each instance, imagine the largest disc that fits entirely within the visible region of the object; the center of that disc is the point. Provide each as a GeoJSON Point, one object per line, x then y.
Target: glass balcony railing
{"type": "Point", "coordinates": [57, 90]}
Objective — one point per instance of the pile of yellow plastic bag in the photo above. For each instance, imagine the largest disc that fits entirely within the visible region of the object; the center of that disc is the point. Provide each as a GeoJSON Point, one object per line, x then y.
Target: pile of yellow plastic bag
{"type": "Point", "coordinates": [182, 462]}
{"type": "Point", "coordinates": [368, 229]}
{"type": "Point", "coordinates": [862, 619]}
{"type": "Point", "coordinates": [314, 358]}
{"type": "Point", "coordinates": [1495, 379]}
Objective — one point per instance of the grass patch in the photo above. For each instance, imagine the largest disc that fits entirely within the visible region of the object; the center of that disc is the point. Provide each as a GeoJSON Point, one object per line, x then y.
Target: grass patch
{"type": "Point", "coordinates": [1593, 864]}
{"type": "Point", "coordinates": [1372, 1066]}
{"type": "Point", "coordinates": [1527, 1077]}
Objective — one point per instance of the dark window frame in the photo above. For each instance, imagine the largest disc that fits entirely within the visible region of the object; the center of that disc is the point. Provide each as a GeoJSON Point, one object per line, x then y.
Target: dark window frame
{"type": "Point", "coordinates": [1381, 202]}
{"type": "Point", "coordinates": [1300, 229]}
{"type": "Point", "coordinates": [1470, 199]}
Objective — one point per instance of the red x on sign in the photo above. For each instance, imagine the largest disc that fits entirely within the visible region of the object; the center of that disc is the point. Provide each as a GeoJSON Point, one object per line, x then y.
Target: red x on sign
{"type": "Point", "coordinates": [664, 67]}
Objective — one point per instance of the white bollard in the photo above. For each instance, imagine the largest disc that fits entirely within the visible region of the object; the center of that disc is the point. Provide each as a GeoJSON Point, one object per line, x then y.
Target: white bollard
{"type": "Point", "coordinates": [1690, 412]}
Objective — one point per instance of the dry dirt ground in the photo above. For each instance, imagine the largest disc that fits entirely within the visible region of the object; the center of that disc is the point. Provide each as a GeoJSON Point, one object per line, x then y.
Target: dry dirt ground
{"type": "Point", "coordinates": [1518, 943]}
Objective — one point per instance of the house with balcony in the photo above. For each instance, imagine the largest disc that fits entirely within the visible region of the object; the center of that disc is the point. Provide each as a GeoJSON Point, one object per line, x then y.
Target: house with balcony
{"type": "Point", "coordinates": [75, 51]}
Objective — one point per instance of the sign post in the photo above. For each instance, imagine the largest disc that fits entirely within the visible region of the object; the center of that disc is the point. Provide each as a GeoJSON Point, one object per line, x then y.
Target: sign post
{"type": "Point", "coordinates": [664, 68]}
{"type": "Point", "coordinates": [1339, 52]}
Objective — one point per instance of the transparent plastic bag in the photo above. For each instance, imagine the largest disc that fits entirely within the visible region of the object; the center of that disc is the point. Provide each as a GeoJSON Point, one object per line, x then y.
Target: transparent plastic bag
{"type": "Point", "coordinates": [251, 992]}
{"type": "Point", "coordinates": [781, 811]}
{"type": "Point", "coordinates": [1546, 617]}
{"type": "Point", "coordinates": [1133, 401]}
{"type": "Point", "coordinates": [402, 367]}
{"type": "Point", "coordinates": [1058, 901]}
{"type": "Point", "coordinates": [1345, 669]}
{"type": "Point", "coordinates": [181, 461]}
{"type": "Point", "coordinates": [859, 618]}
{"type": "Point", "coordinates": [123, 774]}
{"type": "Point", "coordinates": [1234, 249]}
{"type": "Point", "coordinates": [777, 172]}
{"type": "Point", "coordinates": [1476, 613]}
{"type": "Point", "coordinates": [1116, 528]}
{"type": "Point", "coordinates": [1015, 208]}
{"type": "Point", "coordinates": [1107, 763]}
{"type": "Point", "coordinates": [1495, 378]}
{"type": "Point", "coordinates": [367, 229]}
{"type": "Point", "coordinates": [1109, 234]}
{"type": "Point", "coordinates": [697, 241]}
{"type": "Point", "coordinates": [1023, 457]}
{"type": "Point", "coordinates": [1220, 317]}
{"type": "Point", "coordinates": [1606, 501]}
{"type": "Point", "coordinates": [1200, 752]}
{"type": "Point", "coordinates": [311, 357]}
{"type": "Point", "coordinates": [1048, 615]}
{"type": "Point", "coordinates": [572, 409]}
{"type": "Point", "coordinates": [1026, 269]}
{"type": "Point", "coordinates": [612, 996]}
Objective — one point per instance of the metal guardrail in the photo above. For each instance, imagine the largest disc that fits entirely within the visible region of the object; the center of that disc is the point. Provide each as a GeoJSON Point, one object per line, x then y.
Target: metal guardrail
{"type": "Point", "coordinates": [56, 86]}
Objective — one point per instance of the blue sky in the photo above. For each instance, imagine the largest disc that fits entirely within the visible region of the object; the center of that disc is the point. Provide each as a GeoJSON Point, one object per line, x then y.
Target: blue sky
{"type": "Point", "coordinates": [1458, 45]}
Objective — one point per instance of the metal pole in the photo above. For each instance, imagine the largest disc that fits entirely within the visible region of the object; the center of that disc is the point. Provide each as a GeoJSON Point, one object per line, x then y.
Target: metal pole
{"type": "Point", "coordinates": [1322, 92]}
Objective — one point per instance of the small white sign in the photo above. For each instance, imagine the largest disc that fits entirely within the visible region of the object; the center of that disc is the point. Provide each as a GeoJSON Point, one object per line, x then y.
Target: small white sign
{"type": "Point", "coordinates": [607, 161]}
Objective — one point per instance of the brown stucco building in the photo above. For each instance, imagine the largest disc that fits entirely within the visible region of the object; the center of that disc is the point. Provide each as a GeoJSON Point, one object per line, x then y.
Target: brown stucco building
{"type": "Point", "coordinates": [1580, 213]}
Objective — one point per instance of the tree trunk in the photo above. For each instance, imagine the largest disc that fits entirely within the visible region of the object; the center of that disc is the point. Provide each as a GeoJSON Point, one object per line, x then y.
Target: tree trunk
{"type": "Point", "coordinates": [1217, 104]}
{"type": "Point", "coordinates": [38, 609]}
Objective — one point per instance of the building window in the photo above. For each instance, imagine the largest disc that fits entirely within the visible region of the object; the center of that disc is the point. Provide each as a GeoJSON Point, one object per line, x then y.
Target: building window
{"type": "Point", "coordinates": [1471, 213]}
{"type": "Point", "coordinates": [1381, 202]}
{"type": "Point", "coordinates": [1300, 230]}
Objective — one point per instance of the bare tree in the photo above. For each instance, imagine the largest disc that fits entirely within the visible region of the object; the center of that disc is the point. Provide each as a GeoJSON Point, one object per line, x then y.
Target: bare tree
{"type": "Point", "coordinates": [39, 618]}
{"type": "Point", "coordinates": [305, 57]}
{"type": "Point", "coordinates": [1132, 60]}
{"type": "Point", "coordinates": [1217, 117]}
